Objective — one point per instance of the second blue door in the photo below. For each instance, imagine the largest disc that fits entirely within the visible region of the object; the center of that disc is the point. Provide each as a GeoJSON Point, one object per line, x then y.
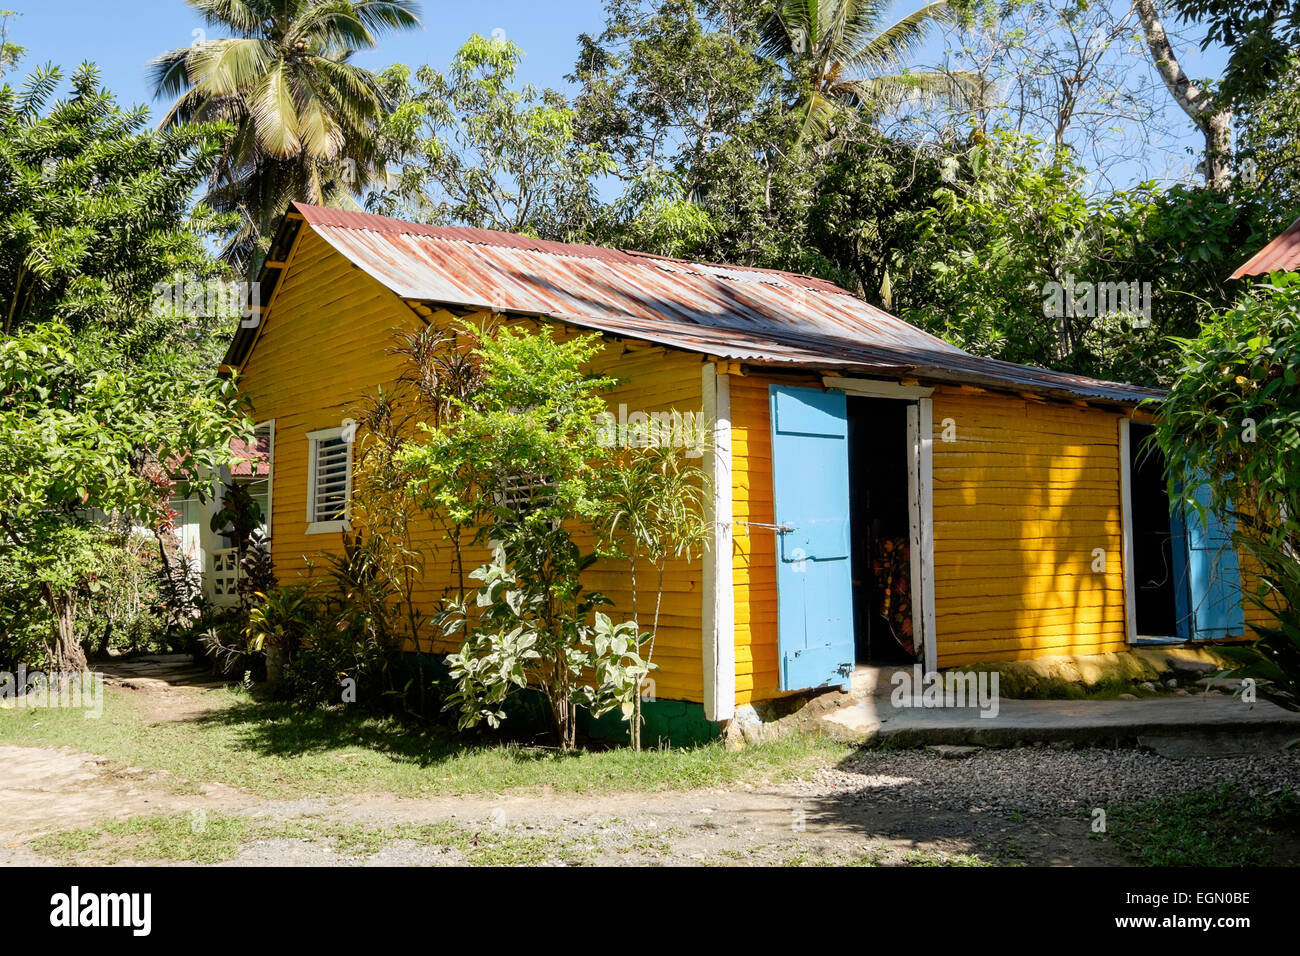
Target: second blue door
{"type": "Point", "coordinates": [1207, 572]}
{"type": "Point", "coordinates": [810, 479]}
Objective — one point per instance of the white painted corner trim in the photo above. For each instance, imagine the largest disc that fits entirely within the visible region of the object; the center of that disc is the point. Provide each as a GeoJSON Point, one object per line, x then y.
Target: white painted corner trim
{"type": "Point", "coordinates": [1126, 512]}
{"type": "Point", "coordinates": [718, 617]}
{"type": "Point", "coordinates": [925, 496]}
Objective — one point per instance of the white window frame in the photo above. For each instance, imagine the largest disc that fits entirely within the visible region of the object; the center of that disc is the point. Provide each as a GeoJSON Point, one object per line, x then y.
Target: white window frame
{"type": "Point", "coordinates": [269, 426]}
{"type": "Point", "coordinates": [342, 524]}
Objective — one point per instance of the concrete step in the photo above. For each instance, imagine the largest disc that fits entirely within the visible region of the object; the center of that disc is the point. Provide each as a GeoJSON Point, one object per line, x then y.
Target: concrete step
{"type": "Point", "coordinates": [1079, 723]}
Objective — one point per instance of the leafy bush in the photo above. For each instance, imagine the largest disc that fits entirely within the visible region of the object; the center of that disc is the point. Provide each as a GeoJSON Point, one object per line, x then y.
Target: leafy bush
{"type": "Point", "coordinates": [1275, 656]}
{"type": "Point", "coordinates": [512, 449]}
{"type": "Point", "coordinates": [524, 637]}
{"type": "Point", "coordinates": [339, 637]}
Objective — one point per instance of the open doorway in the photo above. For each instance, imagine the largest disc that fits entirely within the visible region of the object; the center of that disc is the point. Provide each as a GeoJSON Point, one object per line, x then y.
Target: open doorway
{"type": "Point", "coordinates": [1155, 569]}
{"type": "Point", "coordinates": [879, 528]}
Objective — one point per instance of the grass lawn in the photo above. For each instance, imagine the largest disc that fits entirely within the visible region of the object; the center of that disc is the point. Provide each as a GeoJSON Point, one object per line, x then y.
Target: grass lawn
{"type": "Point", "coordinates": [175, 838]}
{"type": "Point", "coordinates": [1213, 827]}
{"type": "Point", "coordinates": [276, 750]}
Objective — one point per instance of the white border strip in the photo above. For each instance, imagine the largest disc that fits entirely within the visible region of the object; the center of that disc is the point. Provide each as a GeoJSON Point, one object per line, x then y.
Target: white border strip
{"type": "Point", "coordinates": [925, 414]}
{"type": "Point", "coordinates": [1126, 510]}
{"type": "Point", "coordinates": [718, 637]}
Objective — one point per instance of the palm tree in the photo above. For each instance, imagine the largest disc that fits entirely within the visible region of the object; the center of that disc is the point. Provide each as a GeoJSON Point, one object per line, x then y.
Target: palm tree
{"type": "Point", "coordinates": [837, 47]}
{"type": "Point", "coordinates": [304, 116]}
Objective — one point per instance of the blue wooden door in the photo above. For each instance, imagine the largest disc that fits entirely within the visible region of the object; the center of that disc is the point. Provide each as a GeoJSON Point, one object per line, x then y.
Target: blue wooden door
{"type": "Point", "coordinates": [810, 478]}
{"type": "Point", "coordinates": [1213, 573]}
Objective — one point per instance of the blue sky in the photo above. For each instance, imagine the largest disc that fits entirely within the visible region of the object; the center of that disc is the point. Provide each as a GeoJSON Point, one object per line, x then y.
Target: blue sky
{"type": "Point", "coordinates": [122, 35]}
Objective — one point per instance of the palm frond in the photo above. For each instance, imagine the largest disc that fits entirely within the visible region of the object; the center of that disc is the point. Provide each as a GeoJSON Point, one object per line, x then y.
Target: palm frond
{"type": "Point", "coordinates": [892, 92]}
{"type": "Point", "coordinates": [274, 113]}
{"type": "Point", "coordinates": [168, 73]}
{"type": "Point", "coordinates": [226, 66]}
{"type": "Point", "coordinates": [239, 16]}
{"type": "Point", "coordinates": [890, 48]}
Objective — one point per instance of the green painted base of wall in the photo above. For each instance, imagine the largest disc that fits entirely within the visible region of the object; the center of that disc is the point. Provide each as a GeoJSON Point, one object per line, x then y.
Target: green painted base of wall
{"type": "Point", "coordinates": [672, 723]}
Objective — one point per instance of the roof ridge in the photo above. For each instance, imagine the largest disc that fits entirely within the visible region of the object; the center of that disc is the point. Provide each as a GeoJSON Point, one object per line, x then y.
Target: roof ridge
{"type": "Point", "coordinates": [348, 219]}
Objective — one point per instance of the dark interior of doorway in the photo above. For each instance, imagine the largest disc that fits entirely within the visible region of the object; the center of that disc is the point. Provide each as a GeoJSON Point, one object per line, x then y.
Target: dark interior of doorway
{"type": "Point", "coordinates": [878, 521]}
{"type": "Point", "coordinates": [1154, 603]}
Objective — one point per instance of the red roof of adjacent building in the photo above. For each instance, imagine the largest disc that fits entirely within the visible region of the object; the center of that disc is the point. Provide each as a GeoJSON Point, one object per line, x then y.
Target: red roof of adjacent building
{"type": "Point", "coordinates": [251, 461]}
{"type": "Point", "coordinates": [1282, 254]}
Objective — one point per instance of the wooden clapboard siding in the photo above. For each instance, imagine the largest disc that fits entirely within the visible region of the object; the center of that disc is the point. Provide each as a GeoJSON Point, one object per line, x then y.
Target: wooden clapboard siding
{"type": "Point", "coordinates": [1022, 496]}
{"type": "Point", "coordinates": [325, 346]}
{"type": "Point", "coordinates": [1251, 585]}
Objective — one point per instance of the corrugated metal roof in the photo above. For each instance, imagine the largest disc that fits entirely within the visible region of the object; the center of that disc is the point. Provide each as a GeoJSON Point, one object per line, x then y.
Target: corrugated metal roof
{"type": "Point", "coordinates": [756, 316]}
{"type": "Point", "coordinates": [1283, 254]}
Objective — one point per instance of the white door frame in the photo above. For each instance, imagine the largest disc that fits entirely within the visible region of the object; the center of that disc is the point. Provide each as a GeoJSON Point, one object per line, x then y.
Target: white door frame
{"type": "Point", "coordinates": [920, 497]}
{"type": "Point", "coordinates": [1126, 513]}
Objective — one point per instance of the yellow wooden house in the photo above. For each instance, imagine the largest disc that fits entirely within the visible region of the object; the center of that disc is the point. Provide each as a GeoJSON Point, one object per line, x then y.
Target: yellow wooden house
{"type": "Point", "coordinates": [879, 496]}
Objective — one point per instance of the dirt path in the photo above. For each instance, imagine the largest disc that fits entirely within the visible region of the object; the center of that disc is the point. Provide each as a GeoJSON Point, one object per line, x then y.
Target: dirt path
{"type": "Point", "coordinates": [884, 808]}
{"type": "Point", "coordinates": [802, 822]}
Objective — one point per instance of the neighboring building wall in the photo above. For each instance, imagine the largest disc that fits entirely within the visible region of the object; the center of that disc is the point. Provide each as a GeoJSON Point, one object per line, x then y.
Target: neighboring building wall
{"type": "Point", "coordinates": [1022, 498]}
{"type": "Point", "coordinates": [1250, 585]}
{"type": "Point", "coordinates": [326, 346]}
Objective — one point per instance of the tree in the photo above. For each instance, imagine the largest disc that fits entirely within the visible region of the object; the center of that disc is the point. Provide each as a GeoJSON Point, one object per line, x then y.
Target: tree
{"type": "Point", "coordinates": [105, 397]}
{"type": "Point", "coordinates": [847, 59]}
{"type": "Point", "coordinates": [654, 511]}
{"type": "Point", "coordinates": [10, 52]}
{"type": "Point", "coordinates": [1262, 36]}
{"type": "Point", "coordinates": [475, 151]}
{"type": "Point", "coordinates": [1207, 111]}
{"type": "Point", "coordinates": [700, 128]}
{"type": "Point", "coordinates": [870, 209]}
{"type": "Point", "coordinates": [304, 116]}
{"type": "Point", "coordinates": [665, 82]}
{"type": "Point", "coordinates": [1268, 151]}
{"type": "Point", "coordinates": [79, 438]}
{"type": "Point", "coordinates": [1001, 223]}
{"type": "Point", "coordinates": [91, 207]}
{"type": "Point", "coordinates": [519, 460]}
{"type": "Point", "coordinates": [1066, 72]}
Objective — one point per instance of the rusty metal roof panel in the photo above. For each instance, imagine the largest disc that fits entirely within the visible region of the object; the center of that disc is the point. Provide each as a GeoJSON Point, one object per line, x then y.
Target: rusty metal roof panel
{"type": "Point", "coordinates": [753, 315]}
{"type": "Point", "coordinates": [1283, 254]}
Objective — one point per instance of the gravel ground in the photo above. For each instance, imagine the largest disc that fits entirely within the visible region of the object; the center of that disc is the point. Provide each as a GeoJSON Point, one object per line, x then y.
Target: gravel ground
{"type": "Point", "coordinates": [1026, 805]}
{"type": "Point", "coordinates": [1042, 780]}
